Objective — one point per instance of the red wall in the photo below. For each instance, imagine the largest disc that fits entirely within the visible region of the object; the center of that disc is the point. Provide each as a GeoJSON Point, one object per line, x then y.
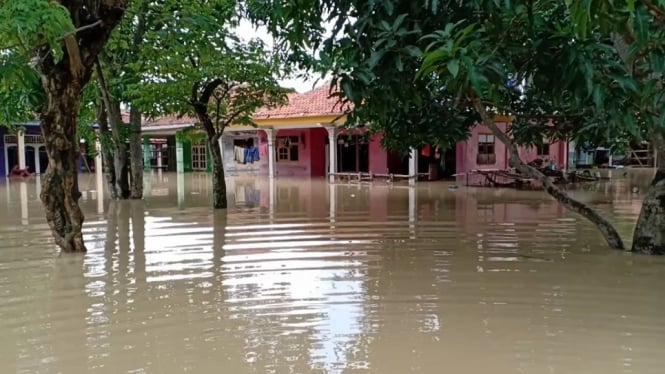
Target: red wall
{"type": "Point", "coordinates": [317, 141]}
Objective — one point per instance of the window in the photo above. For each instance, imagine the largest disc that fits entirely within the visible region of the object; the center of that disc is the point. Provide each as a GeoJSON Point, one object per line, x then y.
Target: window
{"type": "Point", "coordinates": [543, 148]}
{"type": "Point", "coordinates": [486, 155]}
{"type": "Point", "coordinates": [199, 159]}
{"type": "Point", "coordinates": [287, 148]}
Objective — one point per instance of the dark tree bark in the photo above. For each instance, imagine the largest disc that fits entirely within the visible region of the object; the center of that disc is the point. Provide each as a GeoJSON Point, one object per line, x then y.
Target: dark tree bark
{"type": "Point", "coordinates": [135, 141]}
{"type": "Point", "coordinates": [218, 180]}
{"type": "Point", "coordinates": [118, 143]}
{"type": "Point", "coordinates": [649, 234]}
{"type": "Point", "coordinates": [214, 133]}
{"type": "Point", "coordinates": [136, 153]}
{"type": "Point", "coordinates": [609, 232]}
{"type": "Point", "coordinates": [60, 192]}
{"type": "Point", "coordinates": [107, 154]}
{"type": "Point", "coordinates": [63, 81]}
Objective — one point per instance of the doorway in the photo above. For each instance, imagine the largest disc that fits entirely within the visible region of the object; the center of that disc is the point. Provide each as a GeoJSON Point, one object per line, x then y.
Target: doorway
{"type": "Point", "coordinates": [352, 154]}
{"type": "Point", "coordinates": [436, 163]}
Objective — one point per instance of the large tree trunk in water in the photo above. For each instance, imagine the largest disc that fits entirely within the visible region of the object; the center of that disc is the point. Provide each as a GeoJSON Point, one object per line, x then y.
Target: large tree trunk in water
{"type": "Point", "coordinates": [649, 235]}
{"type": "Point", "coordinates": [136, 153]}
{"type": "Point", "coordinates": [60, 191]}
{"type": "Point", "coordinates": [218, 181]}
{"type": "Point", "coordinates": [609, 232]}
{"type": "Point", "coordinates": [63, 79]}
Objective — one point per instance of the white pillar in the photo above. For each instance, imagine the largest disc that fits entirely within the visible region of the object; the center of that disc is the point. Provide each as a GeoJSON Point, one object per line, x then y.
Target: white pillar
{"type": "Point", "coordinates": [99, 177]}
{"type": "Point", "coordinates": [413, 166]}
{"type": "Point", "coordinates": [181, 189]}
{"type": "Point", "coordinates": [655, 160]}
{"type": "Point", "coordinates": [7, 167]}
{"type": "Point", "coordinates": [413, 211]}
{"type": "Point", "coordinates": [159, 159]}
{"type": "Point", "coordinates": [37, 165]}
{"type": "Point", "coordinates": [273, 199]}
{"type": "Point", "coordinates": [21, 150]}
{"type": "Point", "coordinates": [332, 200]}
{"type": "Point", "coordinates": [332, 149]}
{"type": "Point", "coordinates": [24, 203]}
{"type": "Point", "coordinates": [8, 193]}
{"type": "Point", "coordinates": [38, 185]}
{"type": "Point", "coordinates": [272, 166]}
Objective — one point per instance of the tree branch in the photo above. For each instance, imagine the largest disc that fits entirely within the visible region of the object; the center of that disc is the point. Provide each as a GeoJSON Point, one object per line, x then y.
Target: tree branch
{"type": "Point", "coordinates": [609, 232]}
{"type": "Point", "coordinates": [233, 116]}
{"type": "Point", "coordinates": [75, 63]}
{"type": "Point", "coordinates": [191, 60]}
{"type": "Point", "coordinates": [195, 93]}
{"type": "Point", "coordinates": [209, 90]}
{"type": "Point", "coordinates": [655, 11]}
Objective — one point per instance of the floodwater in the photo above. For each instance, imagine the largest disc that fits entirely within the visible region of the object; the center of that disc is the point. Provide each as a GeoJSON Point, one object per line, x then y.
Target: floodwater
{"type": "Point", "coordinates": [302, 277]}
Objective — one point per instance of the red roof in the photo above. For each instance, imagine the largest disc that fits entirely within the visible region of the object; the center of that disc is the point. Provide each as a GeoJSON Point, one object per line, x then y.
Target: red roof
{"type": "Point", "coordinates": [315, 103]}
{"type": "Point", "coordinates": [169, 120]}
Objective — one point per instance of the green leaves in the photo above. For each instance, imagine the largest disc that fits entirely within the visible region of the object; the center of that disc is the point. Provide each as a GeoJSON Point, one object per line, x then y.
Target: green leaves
{"type": "Point", "coordinates": [453, 67]}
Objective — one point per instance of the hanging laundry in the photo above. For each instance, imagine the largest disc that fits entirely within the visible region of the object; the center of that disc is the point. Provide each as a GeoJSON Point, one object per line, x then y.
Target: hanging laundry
{"type": "Point", "coordinates": [426, 151]}
{"type": "Point", "coordinates": [239, 154]}
{"type": "Point", "coordinates": [251, 155]}
{"type": "Point", "coordinates": [263, 150]}
{"type": "Point", "coordinates": [255, 154]}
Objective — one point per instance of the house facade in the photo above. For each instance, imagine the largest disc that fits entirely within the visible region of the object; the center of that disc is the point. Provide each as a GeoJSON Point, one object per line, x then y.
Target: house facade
{"type": "Point", "coordinates": [304, 138]}
{"type": "Point", "coordinates": [24, 148]}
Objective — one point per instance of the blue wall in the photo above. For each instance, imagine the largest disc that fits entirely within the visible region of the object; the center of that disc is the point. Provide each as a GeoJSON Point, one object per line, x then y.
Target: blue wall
{"type": "Point", "coordinates": [32, 129]}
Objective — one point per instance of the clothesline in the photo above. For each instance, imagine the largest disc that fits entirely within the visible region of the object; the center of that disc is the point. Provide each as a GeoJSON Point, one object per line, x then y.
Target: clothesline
{"type": "Point", "coordinates": [246, 155]}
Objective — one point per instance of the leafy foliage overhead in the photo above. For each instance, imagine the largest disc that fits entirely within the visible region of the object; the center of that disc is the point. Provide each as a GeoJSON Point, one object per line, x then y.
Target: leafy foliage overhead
{"type": "Point", "coordinates": [529, 59]}
{"type": "Point", "coordinates": [201, 60]}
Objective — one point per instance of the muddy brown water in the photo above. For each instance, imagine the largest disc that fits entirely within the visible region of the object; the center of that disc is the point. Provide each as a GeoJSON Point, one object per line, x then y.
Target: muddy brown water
{"type": "Point", "coordinates": [302, 277]}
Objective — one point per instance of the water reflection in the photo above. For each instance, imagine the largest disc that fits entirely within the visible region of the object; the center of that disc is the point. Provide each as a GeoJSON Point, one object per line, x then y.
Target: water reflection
{"type": "Point", "coordinates": [300, 276]}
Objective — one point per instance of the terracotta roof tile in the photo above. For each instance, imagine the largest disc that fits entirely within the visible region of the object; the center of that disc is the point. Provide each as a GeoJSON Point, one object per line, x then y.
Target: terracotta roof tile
{"type": "Point", "coordinates": [169, 120]}
{"type": "Point", "coordinates": [314, 103]}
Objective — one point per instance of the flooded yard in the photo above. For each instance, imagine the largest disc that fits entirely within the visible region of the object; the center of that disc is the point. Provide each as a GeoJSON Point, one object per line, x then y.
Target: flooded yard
{"type": "Point", "coordinates": [300, 276]}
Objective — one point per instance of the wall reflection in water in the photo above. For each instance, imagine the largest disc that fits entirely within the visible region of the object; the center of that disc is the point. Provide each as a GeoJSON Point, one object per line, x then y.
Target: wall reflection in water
{"type": "Point", "coordinates": [301, 276]}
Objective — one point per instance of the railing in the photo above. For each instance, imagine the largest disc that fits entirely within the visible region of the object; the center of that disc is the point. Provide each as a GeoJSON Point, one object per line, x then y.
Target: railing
{"type": "Point", "coordinates": [34, 139]}
{"type": "Point", "coordinates": [368, 177]}
{"type": "Point", "coordinates": [29, 139]}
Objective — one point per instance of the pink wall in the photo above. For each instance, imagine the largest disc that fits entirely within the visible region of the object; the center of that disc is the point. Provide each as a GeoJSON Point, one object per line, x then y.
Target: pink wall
{"type": "Point", "coordinates": [302, 167]}
{"type": "Point", "coordinates": [468, 150]}
{"type": "Point", "coordinates": [378, 157]}
{"type": "Point", "coordinates": [311, 154]}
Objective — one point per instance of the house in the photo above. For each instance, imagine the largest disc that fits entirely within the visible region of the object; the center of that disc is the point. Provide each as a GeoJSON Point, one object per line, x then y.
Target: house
{"type": "Point", "coordinates": [304, 137]}
{"type": "Point", "coordinates": [23, 148]}
{"type": "Point", "coordinates": [295, 140]}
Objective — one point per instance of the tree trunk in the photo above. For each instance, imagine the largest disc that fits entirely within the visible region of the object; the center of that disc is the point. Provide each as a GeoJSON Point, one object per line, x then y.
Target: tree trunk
{"type": "Point", "coordinates": [649, 234]}
{"type": "Point", "coordinates": [136, 153]}
{"type": "Point", "coordinates": [218, 181]}
{"type": "Point", "coordinates": [609, 232]}
{"type": "Point", "coordinates": [107, 153]}
{"type": "Point", "coordinates": [120, 148]}
{"type": "Point", "coordinates": [60, 191]}
{"type": "Point", "coordinates": [121, 171]}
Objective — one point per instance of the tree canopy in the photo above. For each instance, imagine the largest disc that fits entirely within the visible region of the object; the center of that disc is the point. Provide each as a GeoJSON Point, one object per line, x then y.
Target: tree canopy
{"type": "Point", "coordinates": [523, 58]}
